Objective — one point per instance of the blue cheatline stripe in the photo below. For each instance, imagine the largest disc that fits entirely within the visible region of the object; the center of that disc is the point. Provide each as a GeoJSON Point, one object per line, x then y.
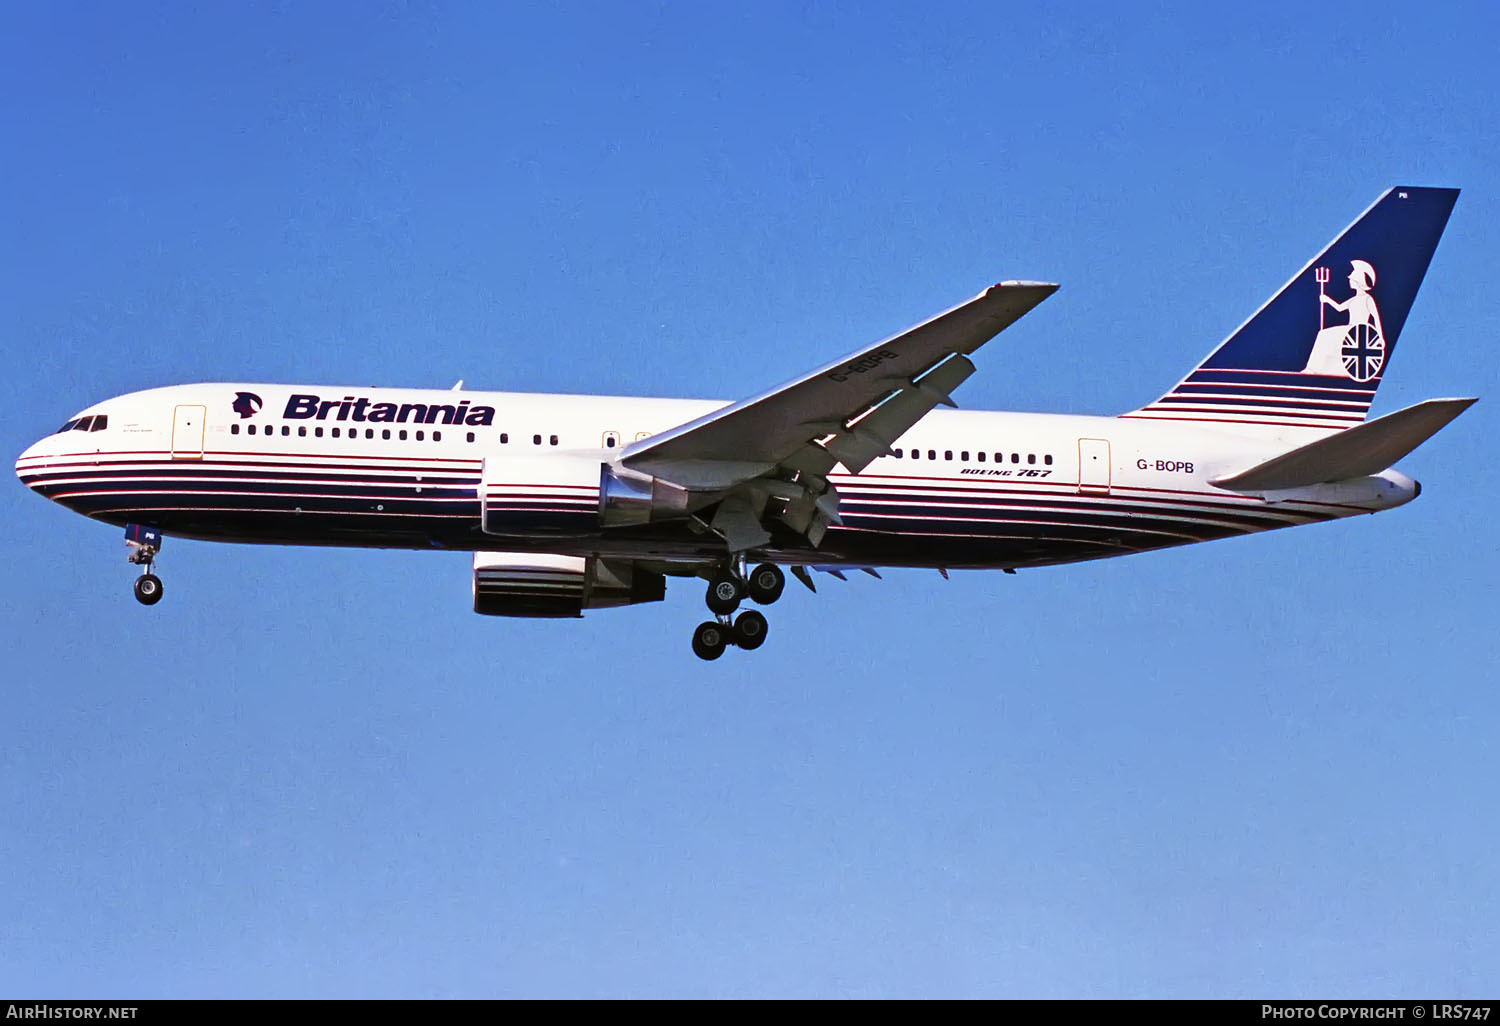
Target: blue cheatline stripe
{"type": "Point", "coordinates": [62, 489]}
{"type": "Point", "coordinates": [1351, 399]}
{"type": "Point", "coordinates": [1257, 402]}
{"type": "Point", "coordinates": [176, 473]}
{"type": "Point", "coordinates": [1281, 379]}
{"type": "Point", "coordinates": [935, 507]}
{"type": "Point", "coordinates": [1014, 518]}
{"type": "Point", "coordinates": [1250, 415]}
{"type": "Point", "coordinates": [950, 491]}
{"type": "Point", "coordinates": [976, 507]}
{"type": "Point", "coordinates": [1162, 498]}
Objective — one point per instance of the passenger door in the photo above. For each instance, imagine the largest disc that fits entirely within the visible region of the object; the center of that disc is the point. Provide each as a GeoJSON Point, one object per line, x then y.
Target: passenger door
{"type": "Point", "coordinates": [187, 432]}
{"type": "Point", "coordinates": [1093, 466]}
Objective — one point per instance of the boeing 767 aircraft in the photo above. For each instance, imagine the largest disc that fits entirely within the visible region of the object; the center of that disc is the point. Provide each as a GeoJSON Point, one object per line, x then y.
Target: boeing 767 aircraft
{"type": "Point", "coordinates": [572, 502]}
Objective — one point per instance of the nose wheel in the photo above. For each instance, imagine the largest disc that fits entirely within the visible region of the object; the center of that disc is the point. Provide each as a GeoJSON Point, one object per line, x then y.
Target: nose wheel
{"type": "Point", "coordinates": [148, 585]}
{"type": "Point", "coordinates": [726, 590]}
{"type": "Point", "coordinates": [148, 589]}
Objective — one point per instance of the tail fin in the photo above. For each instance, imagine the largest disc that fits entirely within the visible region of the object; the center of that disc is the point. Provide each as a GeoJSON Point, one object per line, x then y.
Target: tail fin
{"type": "Point", "coordinates": [1314, 354]}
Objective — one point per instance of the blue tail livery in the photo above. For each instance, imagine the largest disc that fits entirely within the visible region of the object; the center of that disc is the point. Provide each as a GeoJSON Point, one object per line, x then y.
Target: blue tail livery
{"type": "Point", "coordinates": [1314, 354]}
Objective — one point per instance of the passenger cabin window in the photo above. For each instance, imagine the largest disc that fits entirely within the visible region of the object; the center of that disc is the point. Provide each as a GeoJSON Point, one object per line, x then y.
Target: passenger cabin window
{"type": "Point", "coordinates": [552, 440]}
{"type": "Point", "coordinates": [421, 435]}
{"type": "Point", "coordinates": [1047, 460]}
{"type": "Point", "coordinates": [611, 439]}
{"type": "Point", "coordinates": [401, 435]}
{"type": "Point", "coordinates": [302, 431]}
{"type": "Point", "coordinates": [471, 436]}
{"type": "Point", "coordinates": [981, 456]}
{"type": "Point", "coordinates": [318, 432]}
{"type": "Point", "coordinates": [285, 431]}
{"type": "Point", "coordinates": [1031, 457]}
{"type": "Point", "coordinates": [896, 453]}
{"type": "Point", "coordinates": [385, 433]}
{"type": "Point", "coordinates": [234, 429]}
{"type": "Point", "coordinates": [536, 439]}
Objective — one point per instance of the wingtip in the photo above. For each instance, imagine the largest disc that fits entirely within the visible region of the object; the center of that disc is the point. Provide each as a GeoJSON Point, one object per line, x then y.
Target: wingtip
{"type": "Point", "coordinates": [1016, 283]}
{"type": "Point", "coordinates": [1455, 400]}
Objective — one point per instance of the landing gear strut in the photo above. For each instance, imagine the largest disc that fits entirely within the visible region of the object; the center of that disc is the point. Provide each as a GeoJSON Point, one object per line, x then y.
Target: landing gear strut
{"type": "Point", "coordinates": [726, 590]}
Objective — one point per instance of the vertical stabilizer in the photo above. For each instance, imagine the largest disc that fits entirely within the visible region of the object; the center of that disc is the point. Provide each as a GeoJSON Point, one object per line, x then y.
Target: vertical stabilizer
{"type": "Point", "coordinates": [1315, 353]}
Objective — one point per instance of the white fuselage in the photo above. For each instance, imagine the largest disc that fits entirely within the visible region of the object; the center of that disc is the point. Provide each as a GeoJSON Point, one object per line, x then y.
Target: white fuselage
{"type": "Point", "coordinates": [402, 468]}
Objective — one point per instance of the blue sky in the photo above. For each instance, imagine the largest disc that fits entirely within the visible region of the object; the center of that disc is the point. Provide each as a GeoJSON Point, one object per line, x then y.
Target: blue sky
{"type": "Point", "coordinates": [1255, 767]}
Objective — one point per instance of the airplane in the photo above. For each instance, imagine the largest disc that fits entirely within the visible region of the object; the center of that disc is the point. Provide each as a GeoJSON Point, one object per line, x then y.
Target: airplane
{"type": "Point", "coordinates": [571, 503]}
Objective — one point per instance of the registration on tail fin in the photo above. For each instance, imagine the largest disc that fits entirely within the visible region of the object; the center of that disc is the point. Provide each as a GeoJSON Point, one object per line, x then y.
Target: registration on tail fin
{"type": "Point", "coordinates": [1315, 353]}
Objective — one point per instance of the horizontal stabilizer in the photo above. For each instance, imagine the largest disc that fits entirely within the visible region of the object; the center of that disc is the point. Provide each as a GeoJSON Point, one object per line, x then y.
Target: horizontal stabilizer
{"type": "Point", "coordinates": [1357, 452]}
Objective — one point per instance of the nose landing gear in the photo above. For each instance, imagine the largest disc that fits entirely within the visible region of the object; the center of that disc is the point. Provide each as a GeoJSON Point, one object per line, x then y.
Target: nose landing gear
{"type": "Point", "coordinates": [726, 590]}
{"type": "Point", "coordinates": [144, 544]}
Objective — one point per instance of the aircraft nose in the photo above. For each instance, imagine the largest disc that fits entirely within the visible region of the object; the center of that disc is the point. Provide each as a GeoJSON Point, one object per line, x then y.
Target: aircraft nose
{"type": "Point", "coordinates": [28, 462]}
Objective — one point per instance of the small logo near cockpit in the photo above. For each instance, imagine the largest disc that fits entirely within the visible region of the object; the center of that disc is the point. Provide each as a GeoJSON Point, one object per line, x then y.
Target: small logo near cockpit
{"type": "Point", "coordinates": [246, 404]}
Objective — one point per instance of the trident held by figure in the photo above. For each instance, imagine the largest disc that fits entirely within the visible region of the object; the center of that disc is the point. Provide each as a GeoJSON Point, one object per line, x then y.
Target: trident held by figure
{"type": "Point", "coordinates": [1321, 273]}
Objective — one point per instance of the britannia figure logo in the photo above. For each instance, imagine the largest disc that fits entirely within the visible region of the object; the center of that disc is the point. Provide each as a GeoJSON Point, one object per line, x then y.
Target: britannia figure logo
{"type": "Point", "coordinates": [246, 404]}
{"type": "Point", "coordinates": [1355, 349]}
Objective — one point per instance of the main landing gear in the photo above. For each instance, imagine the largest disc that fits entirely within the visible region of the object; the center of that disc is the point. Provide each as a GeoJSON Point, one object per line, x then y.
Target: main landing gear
{"type": "Point", "coordinates": [729, 587]}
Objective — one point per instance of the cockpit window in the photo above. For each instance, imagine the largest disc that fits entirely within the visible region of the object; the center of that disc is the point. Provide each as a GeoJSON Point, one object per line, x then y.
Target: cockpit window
{"type": "Point", "coordinates": [69, 426]}
{"type": "Point", "coordinates": [83, 423]}
{"type": "Point", "coordinates": [100, 422]}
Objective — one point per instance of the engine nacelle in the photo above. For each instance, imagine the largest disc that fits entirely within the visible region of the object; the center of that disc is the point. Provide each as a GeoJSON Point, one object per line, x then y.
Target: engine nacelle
{"type": "Point", "coordinates": [571, 494]}
{"type": "Point", "coordinates": [546, 584]}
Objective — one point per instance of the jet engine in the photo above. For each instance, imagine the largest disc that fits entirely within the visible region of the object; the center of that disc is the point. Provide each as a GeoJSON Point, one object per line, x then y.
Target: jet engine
{"type": "Point", "coordinates": [551, 585]}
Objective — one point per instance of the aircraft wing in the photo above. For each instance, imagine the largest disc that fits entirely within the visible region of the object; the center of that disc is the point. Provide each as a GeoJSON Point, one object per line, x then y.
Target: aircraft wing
{"type": "Point", "coordinates": [849, 411]}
